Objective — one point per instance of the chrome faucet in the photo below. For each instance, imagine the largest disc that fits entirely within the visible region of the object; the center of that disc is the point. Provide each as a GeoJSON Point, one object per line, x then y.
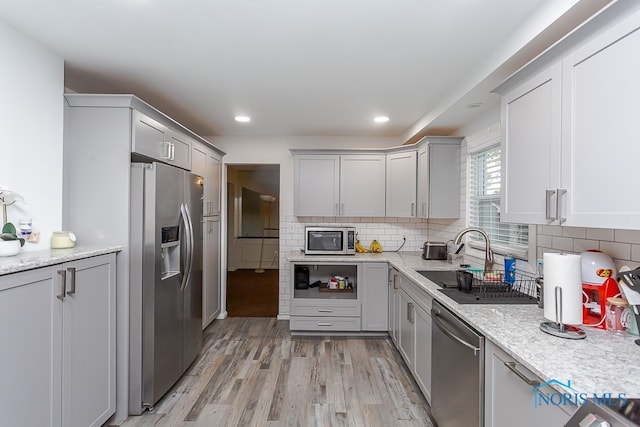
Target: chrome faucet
{"type": "Point", "coordinates": [488, 254]}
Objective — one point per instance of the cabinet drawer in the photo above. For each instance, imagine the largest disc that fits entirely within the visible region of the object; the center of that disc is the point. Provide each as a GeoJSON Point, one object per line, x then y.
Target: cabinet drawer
{"type": "Point", "coordinates": [324, 323]}
{"type": "Point", "coordinates": [333, 308]}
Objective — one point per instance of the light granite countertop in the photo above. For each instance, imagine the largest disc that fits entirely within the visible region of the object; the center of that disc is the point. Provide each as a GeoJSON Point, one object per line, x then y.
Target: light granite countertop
{"type": "Point", "coordinates": [600, 363]}
{"type": "Point", "coordinates": [46, 257]}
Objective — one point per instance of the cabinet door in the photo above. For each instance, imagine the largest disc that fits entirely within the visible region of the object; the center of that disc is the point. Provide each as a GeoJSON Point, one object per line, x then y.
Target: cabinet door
{"type": "Point", "coordinates": [89, 332]}
{"type": "Point", "coordinates": [31, 337]}
{"type": "Point", "coordinates": [212, 189]}
{"type": "Point", "coordinates": [211, 272]}
{"type": "Point", "coordinates": [394, 305]}
{"type": "Point", "coordinates": [316, 185]}
{"type": "Point", "coordinates": [600, 121]}
{"type": "Point", "coordinates": [149, 138]}
{"type": "Point", "coordinates": [443, 181]}
{"type": "Point", "coordinates": [375, 302]}
{"type": "Point", "coordinates": [531, 149]}
{"type": "Point", "coordinates": [199, 160]}
{"type": "Point", "coordinates": [180, 150]}
{"type": "Point", "coordinates": [423, 182]}
{"type": "Point", "coordinates": [406, 332]}
{"type": "Point", "coordinates": [362, 185]}
{"type": "Point", "coordinates": [422, 368]}
{"type": "Point", "coordinates": [401, 184]}
{"type": "Point", "coordinates": [508, 397]}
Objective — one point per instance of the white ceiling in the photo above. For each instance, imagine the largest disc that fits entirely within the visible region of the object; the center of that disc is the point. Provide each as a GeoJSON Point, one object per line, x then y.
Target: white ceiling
{"type": "Point", "coordinates": [313, 68]}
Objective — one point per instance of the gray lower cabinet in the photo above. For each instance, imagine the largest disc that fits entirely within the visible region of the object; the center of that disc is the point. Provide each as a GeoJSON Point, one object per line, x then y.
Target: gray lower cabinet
{"type": "Point", "coordinates": [414, 332]}
{"type": "Point", "coordinates": [58, 331]}
{"type": "Point", "coordinates": [510, 393]}
{"type": "Point", "coordinates": [394, 304]}
{"type": "Point", "coordinates": [375, 302]}
{"type": "Point", "coordinates": [363, 308]}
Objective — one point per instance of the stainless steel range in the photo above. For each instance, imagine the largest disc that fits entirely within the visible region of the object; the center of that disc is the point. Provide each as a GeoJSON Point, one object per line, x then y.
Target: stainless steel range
{"type": "Point", "coordinates": [483, 287]}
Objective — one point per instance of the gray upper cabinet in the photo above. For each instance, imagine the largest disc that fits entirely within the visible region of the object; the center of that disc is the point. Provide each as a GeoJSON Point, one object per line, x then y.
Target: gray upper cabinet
{"type": "Point", "coordinates": [155, 140]}
{"type": "Point", "coordinates": [340, 184]}
{"type": "Point", "coordinates": [564, 116]}
{"type": "Point", "coordinates": [401, 184]}
{"type": "Point", "coordinates": [438, 178]}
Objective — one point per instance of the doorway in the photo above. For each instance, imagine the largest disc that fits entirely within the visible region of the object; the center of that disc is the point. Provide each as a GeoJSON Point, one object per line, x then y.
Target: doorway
{"type": "Point", "coordinates": [253, 240]}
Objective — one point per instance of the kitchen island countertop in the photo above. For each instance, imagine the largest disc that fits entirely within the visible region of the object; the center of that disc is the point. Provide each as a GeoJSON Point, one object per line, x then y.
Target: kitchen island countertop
{"type": "Point", "coordinates": [601, 363]}
{"type": "Point", "coordinates": [42, 258]}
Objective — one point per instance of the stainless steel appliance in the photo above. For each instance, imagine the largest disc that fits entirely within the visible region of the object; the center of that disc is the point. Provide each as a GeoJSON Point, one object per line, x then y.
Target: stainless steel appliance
{"type": "Point", "coordinates": [457, 371]}
{"type": "Point", "coordinates": [166, 279]}
{"type": "Point", "coordinates": [329, 240]}
{"type": "Point", "coordinates": [434, 251]}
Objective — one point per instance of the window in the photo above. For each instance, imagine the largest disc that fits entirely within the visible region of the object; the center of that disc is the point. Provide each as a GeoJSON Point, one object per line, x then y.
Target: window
{"type": "Point", "coordinates": [484, 206]}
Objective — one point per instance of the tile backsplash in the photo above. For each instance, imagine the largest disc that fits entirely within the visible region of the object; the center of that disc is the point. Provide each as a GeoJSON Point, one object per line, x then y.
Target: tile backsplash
{"type": "Point", "coordinates": [621, 245]}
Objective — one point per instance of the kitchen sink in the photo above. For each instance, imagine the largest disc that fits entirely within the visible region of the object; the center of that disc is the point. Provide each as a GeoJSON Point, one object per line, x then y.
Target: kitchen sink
{"type": "Point", "coordinates": [443, 278]}
{"type": "Point", "coordinates": [486, 289]}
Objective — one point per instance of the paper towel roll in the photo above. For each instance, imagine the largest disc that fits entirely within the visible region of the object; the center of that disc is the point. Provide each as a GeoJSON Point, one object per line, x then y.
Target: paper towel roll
{"type": "Point", "coordinates": [565, 271]}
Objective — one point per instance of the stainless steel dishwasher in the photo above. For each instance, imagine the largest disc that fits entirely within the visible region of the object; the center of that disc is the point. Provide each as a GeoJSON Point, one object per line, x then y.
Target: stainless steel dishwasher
{"type": "Point", "coordinates": [457, 371]}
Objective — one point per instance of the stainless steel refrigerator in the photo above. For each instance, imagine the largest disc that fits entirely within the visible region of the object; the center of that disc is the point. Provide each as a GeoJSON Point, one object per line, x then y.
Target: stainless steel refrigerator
{"type": "Point", "coordinates": [166, 279]}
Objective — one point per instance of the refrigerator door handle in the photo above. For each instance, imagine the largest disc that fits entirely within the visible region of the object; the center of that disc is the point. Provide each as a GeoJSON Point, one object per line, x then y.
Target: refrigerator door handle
{"type": "Point", "coordinates": [190, 247]}
{"type": "Point", "coordinates": [187, 236]}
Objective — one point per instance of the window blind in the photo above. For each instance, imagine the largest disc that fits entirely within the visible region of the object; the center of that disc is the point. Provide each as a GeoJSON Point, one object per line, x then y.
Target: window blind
{"type": "Point", "coordinates": [484, 205]}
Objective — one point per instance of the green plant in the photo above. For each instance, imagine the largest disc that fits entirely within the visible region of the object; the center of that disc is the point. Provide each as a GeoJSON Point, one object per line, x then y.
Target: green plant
{"type": "Point", "coordinates": [8, 198]}
{"type": "Point", "coordinates": [9, 233]}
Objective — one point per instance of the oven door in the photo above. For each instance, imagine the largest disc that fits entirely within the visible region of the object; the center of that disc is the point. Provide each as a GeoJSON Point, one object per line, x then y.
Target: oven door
{"type": "Point", "coordinates": [324, 241]}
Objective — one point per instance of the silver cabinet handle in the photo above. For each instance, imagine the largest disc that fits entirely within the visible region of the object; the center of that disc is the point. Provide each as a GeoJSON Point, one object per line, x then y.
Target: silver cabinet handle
{"type": "Point", "coordinates": [337, 210]}
{"type": "Point", "coordinates": [166, 149]}
{"type": "Point", "coordinates": [324, 324]}
{"type": "Point", "coordinates": [409, 312]}
{"type": "Point", "coordinates": [424, 208]}
{"type": "Point", "coordinates": [72, 289]}
{"type": "Point", "coordinates": [173, 151]}
{"type": "Point", "coordinates": [559, 217]}
{"type": "Point", "coordinates": [63, 284]}
{"type": "Point", "coordinates": [325, 310]}
{"type": "Point", "coordinates": [512, 368]}
{"type": "Point", "coordinates": [412, 206]}
{"type": "Point", "coordinates": [342, 209]}
{"type": "Point", "coordinates": [548, 215]}
{"type": "Point", "coordinates": [395, 281]}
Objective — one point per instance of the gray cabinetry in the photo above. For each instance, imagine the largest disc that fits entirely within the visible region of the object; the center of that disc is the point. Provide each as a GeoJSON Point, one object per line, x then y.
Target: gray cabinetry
{"type": "Point", "coordinates": [157, 141]}
{"type": "Point", "coordinates": [100, 133]}
{"type": "Point", "coordinates": [339, 184]}
{"type": "Point", "coordinates": [510, 392]}
{"type": "Point", "coordinates": [394, 304]}
{"type": "Point", "coordinates": [570, 112]}
{"type": "Point", "coordinates": [438, 178]}
{"type": "Point", "coordinates": [401, 184]}
{"type": "Point", "coordinates": [58, 332]}
{"type": "Point", "coordinates": [375, 302]}
{"type": "Point", "coordinates": [413, 307]}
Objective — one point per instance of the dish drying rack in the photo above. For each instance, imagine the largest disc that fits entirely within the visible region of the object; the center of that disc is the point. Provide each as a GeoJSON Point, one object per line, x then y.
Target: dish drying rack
{"type": "Point", "coordinates": [491, 284]}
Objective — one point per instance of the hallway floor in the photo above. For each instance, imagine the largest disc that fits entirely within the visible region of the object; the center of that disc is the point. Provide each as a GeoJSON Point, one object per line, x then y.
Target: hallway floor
{"type": "Point", "coordinates": [251, 294]}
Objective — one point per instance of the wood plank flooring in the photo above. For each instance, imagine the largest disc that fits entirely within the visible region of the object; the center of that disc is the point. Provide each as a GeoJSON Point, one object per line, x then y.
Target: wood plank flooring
{"type": "Point", "coordinates": [252, 372]}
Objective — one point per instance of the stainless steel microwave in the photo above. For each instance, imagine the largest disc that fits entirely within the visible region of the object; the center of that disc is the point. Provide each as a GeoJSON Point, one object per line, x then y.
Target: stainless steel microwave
{"type": "Point", "coordinates": [329, 240]}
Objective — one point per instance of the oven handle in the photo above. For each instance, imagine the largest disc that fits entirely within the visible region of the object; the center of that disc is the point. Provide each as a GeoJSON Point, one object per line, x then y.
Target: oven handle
{"type": "Point", "coordinates": [447, 332]}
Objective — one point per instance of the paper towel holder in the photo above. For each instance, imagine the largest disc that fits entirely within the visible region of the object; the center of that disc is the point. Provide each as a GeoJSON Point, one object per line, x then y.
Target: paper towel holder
{"type": "Point", "coordinates": [558, 328]}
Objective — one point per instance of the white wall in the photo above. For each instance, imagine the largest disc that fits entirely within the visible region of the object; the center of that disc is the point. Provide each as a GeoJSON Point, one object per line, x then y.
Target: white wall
{"type": "Point", "coordinates": [31, 113]}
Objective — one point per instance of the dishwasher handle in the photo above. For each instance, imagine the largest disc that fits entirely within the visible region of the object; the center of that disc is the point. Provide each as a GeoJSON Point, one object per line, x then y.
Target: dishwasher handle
{"type": "Point", "coordinates": [447, 332]}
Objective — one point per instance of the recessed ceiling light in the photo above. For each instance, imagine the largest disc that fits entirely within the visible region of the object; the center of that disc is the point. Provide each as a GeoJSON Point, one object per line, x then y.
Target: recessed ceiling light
{"type": "Point", "coordinates": [243, 119]}
{"type": "Point", "coordinates": [381, 119]}
{"type": "Point", "coordinates": [475, 105]}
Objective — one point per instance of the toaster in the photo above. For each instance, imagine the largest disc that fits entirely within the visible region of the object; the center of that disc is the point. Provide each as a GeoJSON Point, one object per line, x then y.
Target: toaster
{"type": "Point", "coordinates": [434, 251]}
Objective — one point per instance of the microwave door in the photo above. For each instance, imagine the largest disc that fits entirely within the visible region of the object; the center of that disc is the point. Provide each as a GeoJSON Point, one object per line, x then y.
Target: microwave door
{"type": "Point", "coordinates": [325, 241]}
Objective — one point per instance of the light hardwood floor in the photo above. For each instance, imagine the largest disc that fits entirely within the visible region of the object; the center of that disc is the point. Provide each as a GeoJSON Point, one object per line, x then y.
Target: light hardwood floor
{"type": "Point", "coordinates": [252, 372]}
